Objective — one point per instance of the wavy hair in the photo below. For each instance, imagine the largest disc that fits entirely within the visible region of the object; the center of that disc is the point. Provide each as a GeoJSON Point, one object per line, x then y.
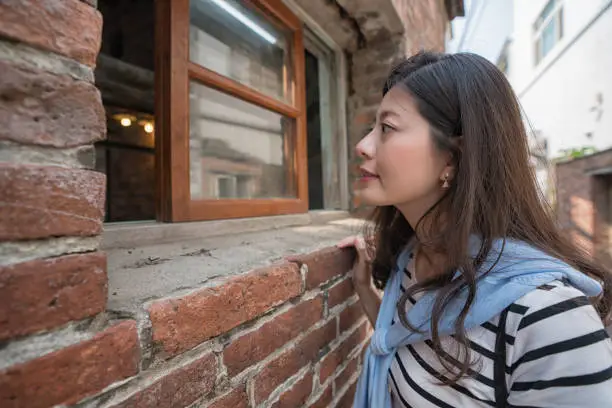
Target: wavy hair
{"type": "Point", "coordinates": [473, 114]}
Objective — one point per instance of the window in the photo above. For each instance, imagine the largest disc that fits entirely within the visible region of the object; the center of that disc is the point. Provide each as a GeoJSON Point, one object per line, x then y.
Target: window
{"type": "Point", "coordinates": [548, 29]}
{"type": "Point", "coordinates": [125, 75]}
{"type": "Point", "coordinates": [324, 158]}
{"type": "Point", "coordinates": [230, 108]}
{"type": "Point", "coordinates": [503, 62]}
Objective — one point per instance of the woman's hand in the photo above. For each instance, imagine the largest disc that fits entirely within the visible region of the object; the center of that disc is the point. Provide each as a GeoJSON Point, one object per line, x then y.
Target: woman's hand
{"type": "Point", "coordinates": [362, 277]}
{"type": "Point", "coordinates": [362, 269]}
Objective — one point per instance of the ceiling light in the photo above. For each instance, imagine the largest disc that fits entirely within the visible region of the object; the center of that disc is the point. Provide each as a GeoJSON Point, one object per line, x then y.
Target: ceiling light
{"type": "Point", "coordinates": [238, 15]}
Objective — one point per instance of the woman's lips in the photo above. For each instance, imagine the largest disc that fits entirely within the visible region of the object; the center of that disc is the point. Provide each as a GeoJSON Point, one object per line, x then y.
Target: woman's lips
{"type": "Point", "coordinates": [366, 175]}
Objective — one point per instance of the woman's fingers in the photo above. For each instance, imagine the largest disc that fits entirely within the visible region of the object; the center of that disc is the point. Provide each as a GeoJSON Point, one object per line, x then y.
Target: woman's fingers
{"type": "Point", "coordinates": [357, 242]}
{"type": "Point", "coordinates": [347, 242]}
{"type": "Point", "coordinates": [360, 244]}
{"type": "Point", "coordinates": [292, 258]}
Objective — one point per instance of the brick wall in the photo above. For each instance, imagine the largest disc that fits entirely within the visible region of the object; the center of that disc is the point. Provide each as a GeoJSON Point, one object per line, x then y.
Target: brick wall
{"type": "Point", "coordinates": [287, 335]}
{"type": "Point", "coordinates": [425, 21]}
{"type": "Point", "coordinates": [582, 202]}
{"type": "Point", "coordinates": [55, 344]}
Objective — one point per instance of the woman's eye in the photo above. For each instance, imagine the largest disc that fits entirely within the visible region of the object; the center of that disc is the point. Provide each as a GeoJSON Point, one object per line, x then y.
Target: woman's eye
{"type": "Point", "coordinates": [385, 128]}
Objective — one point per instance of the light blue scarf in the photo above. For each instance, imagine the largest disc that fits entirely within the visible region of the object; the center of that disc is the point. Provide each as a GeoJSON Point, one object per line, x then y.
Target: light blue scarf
{"type": "Point", "coordinates": [520, 269]}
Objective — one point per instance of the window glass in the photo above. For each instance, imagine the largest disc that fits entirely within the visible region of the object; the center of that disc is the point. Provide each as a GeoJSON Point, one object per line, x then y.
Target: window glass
{"type": "Point", "coordinates": [239, 43]}
{"type": "Point", "coordinates": [548, 38]}
{"type": "Point", "coordinates": [237, 149]}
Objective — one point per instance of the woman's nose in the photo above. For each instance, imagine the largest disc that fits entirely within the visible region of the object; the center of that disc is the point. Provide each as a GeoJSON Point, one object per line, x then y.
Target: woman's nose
{"type": "Point", "coordinates": [365, 147]}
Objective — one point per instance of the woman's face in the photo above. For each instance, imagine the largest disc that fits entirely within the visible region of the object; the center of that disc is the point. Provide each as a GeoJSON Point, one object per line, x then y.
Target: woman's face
{"type": "Point", "coordinates": [401, 164]}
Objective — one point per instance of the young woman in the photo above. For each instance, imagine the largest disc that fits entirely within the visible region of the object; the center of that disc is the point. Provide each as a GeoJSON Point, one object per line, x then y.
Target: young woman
{"type": "Point", "coordinates": [486, 303]}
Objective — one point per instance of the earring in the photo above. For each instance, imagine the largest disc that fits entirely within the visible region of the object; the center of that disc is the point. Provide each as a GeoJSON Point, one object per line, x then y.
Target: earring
{"type": "Point", "coordinates": [446, 184]}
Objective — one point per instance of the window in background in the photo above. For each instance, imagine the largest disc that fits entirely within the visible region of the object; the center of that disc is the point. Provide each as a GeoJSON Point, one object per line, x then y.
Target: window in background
{"type": "Point", "coordinates": [503, 60]}
{"type": "Point", "coordinates": [548, 29]}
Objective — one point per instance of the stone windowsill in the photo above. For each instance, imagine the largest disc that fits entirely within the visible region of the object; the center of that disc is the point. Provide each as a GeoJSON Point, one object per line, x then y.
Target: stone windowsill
{"type": "Point", "coordinates": [180, 262]}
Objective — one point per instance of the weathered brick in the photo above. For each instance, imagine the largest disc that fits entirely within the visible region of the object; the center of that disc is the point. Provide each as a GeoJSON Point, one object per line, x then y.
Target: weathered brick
{"type": "Point", "coordinates": [182, 323]}
{"type": "Point", "coordinates": [425, 24]}
{"type": "Point", "coordinates": [70, 374]}
{"type": "Point", "coordinates": [178, 388]}
{"type": "Point", "coordinates": [324, 399]}
{"type": "Point", "coordinates": [332, 360]}
{"type": "Point", "coordinates": [67, 27]}
{"type": "Point", "coordinates": [43, 294]}
{"type": "Point", "coordinates": [39, 108]}
{"type": "Point", "coordinates": [340, 292]}
{"type": "Point", "coordinates": [346, 401]}
{"type": "Point", "coordinates": [289, 363]}
{"type": "Point", "coordinates": [236, 398]}
{"type": "Point", "coordinates": [326, 264]}
{"type": "Point", "coordinates": [297, 395]}
{"type": "Point", "coordinates": [346, 374]}
{"type": "Point", "coordinates": [44, 201]}
{"type": "Point", "coordinates": [350, 316]}
{"type": "Point", "coordinates": [582, 203]}
{"type": "Point", "coordinates": [255, 346]}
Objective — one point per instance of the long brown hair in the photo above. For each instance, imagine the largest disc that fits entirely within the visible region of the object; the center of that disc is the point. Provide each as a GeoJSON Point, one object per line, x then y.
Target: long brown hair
{"type": "Point", "coordinates": [474, 114]}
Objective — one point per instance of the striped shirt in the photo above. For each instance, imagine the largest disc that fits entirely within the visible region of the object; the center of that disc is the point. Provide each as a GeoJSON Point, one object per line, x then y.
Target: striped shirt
{"type": "Point", "coordinates": [558, 354]}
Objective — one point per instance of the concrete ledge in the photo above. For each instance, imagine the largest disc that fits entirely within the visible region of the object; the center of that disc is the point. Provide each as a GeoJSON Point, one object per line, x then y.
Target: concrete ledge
{"type": "Point", "coordinates": [143, 273]}
{"type": "Point", "coordinates": [133, 234]}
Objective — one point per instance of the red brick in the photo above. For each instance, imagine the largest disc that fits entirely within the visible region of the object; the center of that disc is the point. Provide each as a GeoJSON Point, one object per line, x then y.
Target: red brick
{"type": "Point", "coordinates": [237, 398]}
{"type": "Point", "coordinates": [289, 363]}
{"type": "Point", "coordinates": [350, 316]}
{"type": "Point", "coordinates": [339, 355]}
{"type": "Point", "coordinates": [346, 401]}
{"type": "Point", "coordinates": [182, 323]}
{"type": "Point", "coordinates": [70, 374]}
{"type": "Point", "coordinates": [66, 27]}
{"type": "Point", "coordinates": [40, 108]}
{"type": "Point", "coordinates": [255, 346]}
{"type": "Point", "coordinates": [345, 375]}
{"type": "Point", "coordinates": [297, 395]}
{"type": "Point", "coordinates": [582, 204]}
{"type": "Point", "coordinates": [43, 294]}
{"type": "Point", "coordinates": [326, 264]}
{"type": "Point", "coordinates": [178, 388]}
{"type": "Point", "coordinates": [40, 201]}
{"type": "Point", "coordinates": [324, 399]}
{"type": "Point", "coordinates": [340, 292]}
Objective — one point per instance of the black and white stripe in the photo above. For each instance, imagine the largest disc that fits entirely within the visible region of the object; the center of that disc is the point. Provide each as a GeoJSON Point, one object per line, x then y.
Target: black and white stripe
{"type": "Point", "coordinates": [557, 355]}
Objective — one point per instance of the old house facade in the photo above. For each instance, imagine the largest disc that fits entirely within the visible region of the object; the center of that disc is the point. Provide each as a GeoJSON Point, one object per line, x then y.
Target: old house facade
{"type": "Point", "coordinates": [157, 161]}
{"type": "Point", "coordinates": [584, 202]}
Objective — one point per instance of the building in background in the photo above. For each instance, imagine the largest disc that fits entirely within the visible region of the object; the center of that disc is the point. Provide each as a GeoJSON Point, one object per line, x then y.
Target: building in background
{"type": "Point", "coordinates": [584, 202]}
{"type": "Point", "coordinates": [485, 29]}
{"type": "Point", "coordinates": [560, 72]}
{"type": "Point", "coordinates": [551, 52]}
{"type": "Point", "coordinates": [554, 53]}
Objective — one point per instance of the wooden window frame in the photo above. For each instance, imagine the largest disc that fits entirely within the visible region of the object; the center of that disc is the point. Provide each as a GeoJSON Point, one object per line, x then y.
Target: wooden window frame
{"type": "Point", "coordinates": [174, 71]}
